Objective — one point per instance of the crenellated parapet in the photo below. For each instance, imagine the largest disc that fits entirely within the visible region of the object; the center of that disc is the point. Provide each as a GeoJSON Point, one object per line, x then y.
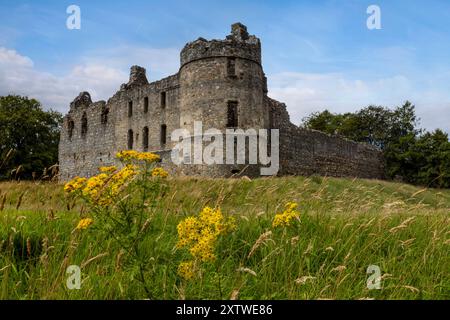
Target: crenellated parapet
{"type": "Point", "coordinates": [239, 44]}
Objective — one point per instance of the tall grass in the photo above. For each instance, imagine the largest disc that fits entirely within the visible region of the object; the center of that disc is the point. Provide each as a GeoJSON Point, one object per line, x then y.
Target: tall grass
{"type": "Point", "coordinates": [345, 226]}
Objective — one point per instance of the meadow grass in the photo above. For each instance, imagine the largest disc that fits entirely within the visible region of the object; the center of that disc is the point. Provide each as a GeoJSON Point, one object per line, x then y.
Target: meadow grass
{"type": "Point", "coordinates": [345, 226]}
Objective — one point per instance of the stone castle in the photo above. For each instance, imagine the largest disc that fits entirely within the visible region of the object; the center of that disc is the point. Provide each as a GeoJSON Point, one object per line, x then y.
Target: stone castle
{"type": "Point", "coordinates": [222, 84]}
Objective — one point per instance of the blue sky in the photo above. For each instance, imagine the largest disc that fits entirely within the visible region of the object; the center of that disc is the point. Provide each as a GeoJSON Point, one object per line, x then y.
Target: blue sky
{"type": "Point", "coordinates": [316, 54]}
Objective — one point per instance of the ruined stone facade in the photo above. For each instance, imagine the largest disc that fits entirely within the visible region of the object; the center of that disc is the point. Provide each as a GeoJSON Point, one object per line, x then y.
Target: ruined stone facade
{"type": "Point", "coordinates": [219, 81]}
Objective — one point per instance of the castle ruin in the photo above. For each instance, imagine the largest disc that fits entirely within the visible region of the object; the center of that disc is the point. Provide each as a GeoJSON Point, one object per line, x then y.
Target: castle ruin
{"type": "Point", "coordinates": [220, 83]}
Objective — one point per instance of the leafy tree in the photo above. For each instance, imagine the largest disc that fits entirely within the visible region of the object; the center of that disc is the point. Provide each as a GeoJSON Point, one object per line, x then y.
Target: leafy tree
{"type": "Point", "coordinates": [426, 161]}
{"type": "Point", "coordinates": [29, 137]}
{"type": "Point", "coordinates": [325, 121]}
{"type": "Point", "coordinates": [375, 125]}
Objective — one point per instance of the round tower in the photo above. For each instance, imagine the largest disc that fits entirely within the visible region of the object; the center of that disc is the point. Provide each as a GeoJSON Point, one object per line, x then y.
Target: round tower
{"type": "Point", "coordinates": [222, 82]}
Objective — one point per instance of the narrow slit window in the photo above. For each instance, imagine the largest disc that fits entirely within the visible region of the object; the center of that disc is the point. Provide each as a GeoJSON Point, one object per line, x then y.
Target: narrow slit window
{"type": "Point", "coordinates": [232, 114]}
{"type": "Point", "coordinates": [130, 139]}
{"type": "Point", "coordinates": [145, 104]}
{"type": "Point", "coordinates": [130, 109]}
{"type": "Point", "coordinates": [163, 99]}
{"type": "Point", "coordinates": [84, 125]}
{"type": "Point", "coordinates": [163, 134]}
{"type": "Point", "coordinates": [145, 139]}
{"type": "Point", "coordinates": [71, 126]}
{"type": "Point", "coordinates": [231, 67]}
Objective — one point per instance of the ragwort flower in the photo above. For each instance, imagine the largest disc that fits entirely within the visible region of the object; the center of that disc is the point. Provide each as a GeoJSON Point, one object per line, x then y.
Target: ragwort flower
{"type": "Point", "coordinates": [84, 224]}
{"type": "Point", "coordinates": [285, 218]}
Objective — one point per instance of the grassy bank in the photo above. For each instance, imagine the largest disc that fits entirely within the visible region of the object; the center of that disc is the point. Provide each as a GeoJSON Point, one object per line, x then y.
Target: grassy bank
{"type": "Point", "coordinates": [345, 226]}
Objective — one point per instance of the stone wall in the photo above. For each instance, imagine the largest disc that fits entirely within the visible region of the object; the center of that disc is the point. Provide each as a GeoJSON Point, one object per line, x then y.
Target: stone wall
{"type": "Point", "coordinates": [109, 124]}
{"type": "Point", "coordinates": [81, 153]}
{"type": "Point", "coordinates": [308, 152]}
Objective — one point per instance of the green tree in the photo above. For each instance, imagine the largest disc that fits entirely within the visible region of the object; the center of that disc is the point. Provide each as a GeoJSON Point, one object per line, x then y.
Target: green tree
{"type": "Point", "coordinates": [375, 125]}
{"type": "Point", "coordinates": [29, 137]}
{"type": "Point", "coordinates": [324, 121]}
{"type": "Point", "coordinates": [433, 152]}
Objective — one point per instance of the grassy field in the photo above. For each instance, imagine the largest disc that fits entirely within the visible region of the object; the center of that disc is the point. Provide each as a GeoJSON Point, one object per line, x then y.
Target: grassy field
{"type": "Point", "coordinates": [345, 226]}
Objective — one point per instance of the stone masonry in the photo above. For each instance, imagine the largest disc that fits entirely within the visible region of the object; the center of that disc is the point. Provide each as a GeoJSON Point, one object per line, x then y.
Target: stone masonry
{"type": "Point", "coordinates": [215, 78]}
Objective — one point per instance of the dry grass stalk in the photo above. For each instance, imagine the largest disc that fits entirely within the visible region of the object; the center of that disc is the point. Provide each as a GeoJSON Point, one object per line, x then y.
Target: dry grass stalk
{"type": "Point", "coordinates": [234, 294]}
{"type": "Point", "coordinates": [405, 243]}
{"type": "Point", "coordinates": [119, 259]}
{"type": "Point", "coordinates": [247, 270]}
{"type": "Point", "coordinates": [322, 291]}
{"type": "Point", "coordinates": [418, 192]}
{"type": "Point", "coordinates": [19, 202]}
{"type": "Point", "coordinates": [145, 225]}
{"type": "Point", "coordinates": [45, 246]}
{"type": "Point", "coordinates": [309, 248]}
{"type": "Point", "coordinates": [261, 240]}
{"type": "Point", "coordinates": [2, 203]}
{"type": "Point", "coordinates": [342, 280]}
{"type": "Point", "coordinates": [348, 255]}
{"type": "Point", "coordinates": [304, 279]}
{"type": "Point", "coordinates": [411, 288]}
{"type": "Point", "coordinates": [6, 158]}
{"type": "Point", "coordinates": [386, 276]}
{"type": "Point", "coordinates": [28, 247]}
{"type": "Point", "coordinates": [339, 268]}
{"type": "Point", "coordinates": [403, 225]}
{"type": "Point", "coordinates": [87, 262]}
{"type": "Point", "coordinates": [5, 267]}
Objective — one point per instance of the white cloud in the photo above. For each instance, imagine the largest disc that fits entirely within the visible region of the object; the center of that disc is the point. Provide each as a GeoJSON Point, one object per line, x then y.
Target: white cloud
{"type": "Point", "coordinates": [305, 93]}
{"type": "Point", "coordinates": [12, 57]}
{"type": "Point", "coordinates": [100, 74]}
{"type": "Point", "coordinates": [159, 62]}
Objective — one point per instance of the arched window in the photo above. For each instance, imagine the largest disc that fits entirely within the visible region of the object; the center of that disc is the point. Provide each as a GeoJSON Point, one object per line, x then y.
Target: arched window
{"type": "Point", "coordinates": [145, 139]}
{"type": "Point", "coordinates": [70, 127]}
{"type": "Point", "coordinates": [84, 125]}
{"type": "Point", "coordinates": [130, 139]}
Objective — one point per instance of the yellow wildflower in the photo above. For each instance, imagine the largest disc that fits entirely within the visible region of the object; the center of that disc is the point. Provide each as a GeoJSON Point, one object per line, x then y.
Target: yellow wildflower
{"type": "Point", "coordinates": [215, 219]}
{"type": "Point", "coordinates": [94, 185]}
{"type": "Point", "coordinates": [110, 169]}
{"type": "Point", "coordinates": [124, 175]}
{"type": "Point", "coordinates": [102, 188]}
{"type": "Point", "coordinates": [159, 172]}
{"type": "Point", "coordinates": [148, 157]}
{"type": "Point", "coordinates": [84, 224]}
{"type": "Point", "coordinates": [204, 249]}
{"type": "Point", "coordinates": [126, 155]}
{"type": "Point", "coordinates": [200, 234]}
{"type": "Point", "coordinates": [130, 155]}
{"type": "Point", "coordinates": [74, 185]}
{"type": "Point", "coordinates": [284, 219]}
{"type": "Point", "coordinates": [186, 270]}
